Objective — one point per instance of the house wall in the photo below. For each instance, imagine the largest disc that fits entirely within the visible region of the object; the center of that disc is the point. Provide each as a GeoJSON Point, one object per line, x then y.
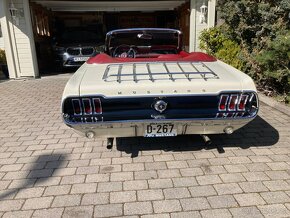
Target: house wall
{"type": "Point", "coordinates": [20, 42]}
{"type": "Point", "coordinates": [196, 26]}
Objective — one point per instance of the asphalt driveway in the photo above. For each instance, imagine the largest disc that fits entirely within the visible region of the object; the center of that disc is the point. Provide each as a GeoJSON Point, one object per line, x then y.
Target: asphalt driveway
{"type": "Point", "coordinates": [46, 170]}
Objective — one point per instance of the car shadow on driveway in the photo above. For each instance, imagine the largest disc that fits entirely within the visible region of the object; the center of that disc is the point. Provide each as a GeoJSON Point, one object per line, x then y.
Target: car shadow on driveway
{"type": "Point", "coordinates": [40, 172]}
{"type": "Point", "coordinates": [254, 134]}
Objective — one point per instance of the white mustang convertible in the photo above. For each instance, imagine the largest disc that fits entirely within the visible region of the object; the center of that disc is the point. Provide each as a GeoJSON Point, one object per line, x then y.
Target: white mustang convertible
{"type": "Point", "coordinates": [146, 85]}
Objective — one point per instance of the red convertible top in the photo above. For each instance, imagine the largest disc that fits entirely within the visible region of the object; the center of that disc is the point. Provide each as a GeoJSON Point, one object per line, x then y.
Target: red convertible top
{"type": "Point", "coordinates": [182, 56]}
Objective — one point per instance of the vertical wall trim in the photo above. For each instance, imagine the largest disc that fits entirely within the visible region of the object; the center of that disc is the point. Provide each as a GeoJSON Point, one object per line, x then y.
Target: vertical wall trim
{"type": "Point", "coordinates": [7, 39]}
{"type": "Point", "coordinates": [192, 26]}
{"type": "Point", "coordinates": [30, 35]}
{"type": "Point", "coordinates": [211, 13]}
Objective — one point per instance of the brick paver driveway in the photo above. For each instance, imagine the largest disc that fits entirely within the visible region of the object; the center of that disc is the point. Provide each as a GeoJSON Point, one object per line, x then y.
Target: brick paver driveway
{"type": "Point", "coordinates": [46, 170]}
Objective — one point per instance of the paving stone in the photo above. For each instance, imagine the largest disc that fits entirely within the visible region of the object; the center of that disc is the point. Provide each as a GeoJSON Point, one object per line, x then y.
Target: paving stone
{"type": "Point", "coordinates": [121, 160]}
{"type": "Point", "coordinates": [256, 167]}
{"type": "Point", "coordinates": [275, 197]}
{"type": "Point", "coordinates": [102, 177]}
{"type": "Point", "coordinates": [155, 166]}
{"type": "Point", "coordinates": [121, 176]}
{"type": "Point", "coordinates": [224, 189]}
{"type": "Point", "coordinates": [18, 214]}
{"type": "Point", "coordinates": [163, 215]}
{"type": "Point", "coordinates": [66, 201]}
{"type": "Point", "coordinates": [176, 193]}
{"type": "Point", "coordinates": [110, 169]}
{"type": "Point", "coordinates": [249, 199]}
{"type": "Point", "coordinates": [37, 203]}
{"type": "Point", "coordinates": [108, 210]}
{"type": "Point", "coordinates": [232, 177]}
{"type": "Point", "coordinates": [177, 164]}
{"type": "Point", "coordinates": [79, 211]}
{"type": "Point", "coordinates": [184, 182]}
{"type": "Point", "coordinates": [222, 201]}
{"type": "Point", "coordinates": [237, 168]}
{"type": "Point", "coordinates": [84, 188]}
{"type": "Point", "coordinates": [277, 185]}
{"type": "Point", "coordinates": [166, 206]}
{"type": "Point", "coordinates": [163, 157]}
{"type": "Point", "coordinates": [255, 176]}
{"type": "Point", "coordinates": [138, 208]}
{"type": "Point", "coordinates": [109, 186]}
{"type": "Point", "coordinates": [135, 185]}
{"type": "Point", "coordinates": [48, 213]}
{"type": "Point", "coordinates": [219, 161]}
{"type": "Point", "coordinates": [57, 190]}
{"type": "Point", "coordinates": [202, 191]}
{"type": "Point", "coordinates": [215, 213]}
{"type": "Point", "coordinates": [95, 198]}
{"type": "Point", "coordinates": [279, 166]}
{"type": "Point", "coordinates": [10, 205]}
{"type": "Point", "coordinates": [239, 160]}
{"type": "Point", "coordinates": [278, 175]}
{"type": "Point", "coordinates": [133, 167]}
{"type": "Point", "coordinates": [150, 195]}
{"type": "Point", "coordinates": [73, 179]}
{"type": "Point", "coordinates": [168, 173]}
{"type": "Point", "coordinates": [149, 174]}
{"type": "Point", "coordinates": [188, 214]}
{"type": "Point", "coordinates": [29, 193]}
{"type": "Point", "coordinates": [87, 170]}
{"type": "Point", "coordinates": [191, 172]}
{"type": "Point", "coordinates": [160, 183]}
{"type": "Point", "coordinates": [194, 204]}
{"type": "Point", "coordinates": [122, 197]}
{"type": "Point", "coordinates": [260, 159]}
{"type": "Point", "coordinates": [208, 179]}
{"type": "Point", "coordinates": [47, 181]}
{"type": "Point", "coordinates": [274, 210]}
{"type": "Point", "coordinates": [213, 170]}
{"type": "Point", "coordinates": [253, 186]}
{"type": "Point", "coordinates": [246, 212]}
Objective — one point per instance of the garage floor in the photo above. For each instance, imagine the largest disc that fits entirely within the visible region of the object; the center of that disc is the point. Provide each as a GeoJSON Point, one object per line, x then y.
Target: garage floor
{"type": "Point", "coordinates": [46, 170]}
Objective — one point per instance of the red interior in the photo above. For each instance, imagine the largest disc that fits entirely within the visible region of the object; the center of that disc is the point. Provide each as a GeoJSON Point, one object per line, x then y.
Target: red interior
{"type": "Point", "coordinates": [182, 56]}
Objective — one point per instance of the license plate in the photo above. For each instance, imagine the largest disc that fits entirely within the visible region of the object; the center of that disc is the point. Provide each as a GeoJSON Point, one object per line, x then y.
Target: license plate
{"type": "Point", "coordinates": [160, 130]}
{"type": "Point", "coordinates": [78, 59]}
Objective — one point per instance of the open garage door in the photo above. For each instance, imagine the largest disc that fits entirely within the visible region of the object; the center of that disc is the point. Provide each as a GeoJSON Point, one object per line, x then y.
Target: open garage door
{"type": "Point", "coordinates": [67, 33]}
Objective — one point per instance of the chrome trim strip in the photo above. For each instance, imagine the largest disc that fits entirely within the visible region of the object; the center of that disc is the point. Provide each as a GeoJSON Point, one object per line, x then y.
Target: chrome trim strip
{"type": "Point", "coordinates": [100, 102]}
{"type": "Point", "coordinates": [79, 102]}
{"type": "Point", "coordinates": [88, 99]}
{"type": "Point", "coordinates": [229, 103]}
{"type": "Point", "coordinates": [245, 102]}
{"type": "Point", "coordinates": [221, 97]}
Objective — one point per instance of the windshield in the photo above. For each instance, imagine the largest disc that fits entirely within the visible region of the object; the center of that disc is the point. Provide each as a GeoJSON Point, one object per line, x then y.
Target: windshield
{"type": "Point", "coordinates": [144, 38]}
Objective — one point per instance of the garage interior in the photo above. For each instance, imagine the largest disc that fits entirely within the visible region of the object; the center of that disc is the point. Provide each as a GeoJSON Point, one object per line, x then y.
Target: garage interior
{"type": "Point", "coordinates": [51, 19]}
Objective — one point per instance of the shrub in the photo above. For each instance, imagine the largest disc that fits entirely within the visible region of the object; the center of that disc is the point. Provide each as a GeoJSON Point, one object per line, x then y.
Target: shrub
{"type": "Point", "coordinates": [216, 43]}
{"type": "Point", "coordinates": [2, 57]}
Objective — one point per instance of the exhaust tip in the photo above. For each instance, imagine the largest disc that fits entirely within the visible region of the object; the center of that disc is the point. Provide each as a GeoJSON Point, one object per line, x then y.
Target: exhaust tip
{"type": "Point", "coordinates": [229, 130]}
{"type": "Point", "coordinates": [90, 135]}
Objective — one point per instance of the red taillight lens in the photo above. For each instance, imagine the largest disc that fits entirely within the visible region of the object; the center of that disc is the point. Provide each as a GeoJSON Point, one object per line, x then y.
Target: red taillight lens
{"type": "Point", "coordinates": [223, 102]}
{"type": "Point", "coordinates": [242, 103]}
{"type": "Point", "coordinates": [97, 106]}
{"type": "Point", "coordinates": [76, 106]}
{"type": "Point", "coordinates": [87, 106]}
{"type": "Point", "coordinates": [233, 102]}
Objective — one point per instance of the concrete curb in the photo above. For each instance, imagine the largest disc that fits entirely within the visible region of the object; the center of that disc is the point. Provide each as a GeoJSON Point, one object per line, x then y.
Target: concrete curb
{"type": "Point", "coordinates": [274, 104]}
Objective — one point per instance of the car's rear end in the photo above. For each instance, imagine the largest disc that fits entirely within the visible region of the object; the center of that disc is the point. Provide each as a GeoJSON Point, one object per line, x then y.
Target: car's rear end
{"type": "Point", "coordinates": [155, 99]}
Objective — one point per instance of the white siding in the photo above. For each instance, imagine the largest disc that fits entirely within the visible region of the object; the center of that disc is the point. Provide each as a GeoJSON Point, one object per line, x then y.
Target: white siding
{"type": "Point", "coordinates": [1, 39]}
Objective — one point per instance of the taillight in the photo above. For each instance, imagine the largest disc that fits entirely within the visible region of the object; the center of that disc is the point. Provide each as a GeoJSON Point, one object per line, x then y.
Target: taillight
{"type": "Point", "coordinates": [76, 106]}
{"type": "Point", "coordinates": [87, 106]}
{"type": "Point", "coordinates": [223, 102]}
{"type": "Point", "coordinates": [233, 102]}
{"type": "Point", "coordinates": [238, 105]}
{"type": "Point", "coordinates": [97, 106]}
{"type": "Point", "coordinates": [242, 102]}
